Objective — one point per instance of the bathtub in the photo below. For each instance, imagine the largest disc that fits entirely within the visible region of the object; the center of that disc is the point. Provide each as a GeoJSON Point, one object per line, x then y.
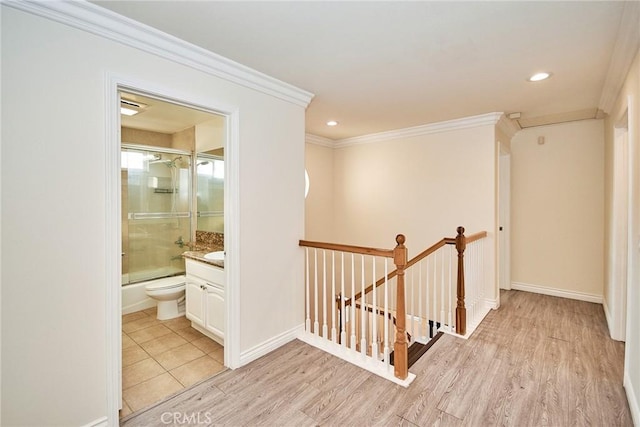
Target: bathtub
{"type": "Point", "coordinates": [134, 297]}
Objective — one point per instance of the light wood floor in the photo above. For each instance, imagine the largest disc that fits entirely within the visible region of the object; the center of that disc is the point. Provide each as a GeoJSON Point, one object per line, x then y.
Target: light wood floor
{"type": "Point", "coordinates": [537, 361]}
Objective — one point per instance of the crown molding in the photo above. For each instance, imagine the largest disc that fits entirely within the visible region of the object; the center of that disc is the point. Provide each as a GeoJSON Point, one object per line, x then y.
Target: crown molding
{"type": "Point", "coordinates": [319, 140]}
{"type": "Point", "coordinates": [507, 126]}
{"type": "Point", "coordinates": [445, 126]}
{"type": "Point", "coordinates": [625, 50]}
{"type": "Point", "coordinates": [102, 22]}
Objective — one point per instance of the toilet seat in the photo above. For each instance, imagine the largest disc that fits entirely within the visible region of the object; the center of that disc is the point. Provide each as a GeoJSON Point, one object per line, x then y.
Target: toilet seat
{"type": "Point", "coordinates": [166, 283]}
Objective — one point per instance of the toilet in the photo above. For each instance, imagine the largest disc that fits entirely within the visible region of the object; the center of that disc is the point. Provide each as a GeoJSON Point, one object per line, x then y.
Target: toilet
{"type": "Point", "coordinates": [169, 294]}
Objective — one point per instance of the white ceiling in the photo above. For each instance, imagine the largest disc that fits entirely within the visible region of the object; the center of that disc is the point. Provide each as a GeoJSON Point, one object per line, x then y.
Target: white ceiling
{"type": "Point", "coordinates": [377, 66]}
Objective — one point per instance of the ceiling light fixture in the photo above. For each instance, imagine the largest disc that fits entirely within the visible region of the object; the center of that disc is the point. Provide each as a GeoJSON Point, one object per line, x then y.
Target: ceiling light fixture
{"type": "Point", "coordinates": [128, 111]}
{"type": "Point", "coordinates": [332, 123]}
{"type": "Point", "coordinates": [539, 77]}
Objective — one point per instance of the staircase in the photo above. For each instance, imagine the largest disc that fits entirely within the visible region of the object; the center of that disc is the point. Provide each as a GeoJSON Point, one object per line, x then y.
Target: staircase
{"type": "Point", "coordinates": [417, 349]}
{"type": "Point", "coordinates": [384, 317]}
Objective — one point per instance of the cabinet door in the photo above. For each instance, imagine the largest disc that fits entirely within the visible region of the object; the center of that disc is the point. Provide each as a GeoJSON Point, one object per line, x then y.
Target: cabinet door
{"type": "Point", "coordinates": [215, 310]}
{"type": "Point", "coordinates": [195, 302]}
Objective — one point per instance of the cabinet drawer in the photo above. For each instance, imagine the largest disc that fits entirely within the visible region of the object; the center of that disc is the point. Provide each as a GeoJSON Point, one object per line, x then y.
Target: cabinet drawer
{"type": "Point", "coordinates": [206, 272]}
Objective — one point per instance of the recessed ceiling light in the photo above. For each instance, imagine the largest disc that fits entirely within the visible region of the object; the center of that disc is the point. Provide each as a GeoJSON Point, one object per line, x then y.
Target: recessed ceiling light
{"type": "Point", "coordinates": [332, 123]}
{"type": "Point", "coordinates": [128, 111]}
{"type": "Point", "coordinates": [539, 76]}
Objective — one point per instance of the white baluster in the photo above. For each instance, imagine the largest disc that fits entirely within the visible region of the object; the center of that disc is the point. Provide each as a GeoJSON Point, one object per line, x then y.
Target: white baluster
{"type": "Point", "coordinates": [363, 311]}
{"type": "Point", "coordinates": [420, 285]}
{"type": "Point", "coordinates": [307, 322]}
{"type": "Point", "coordinates": [411, 327]}
{"type": "Point", "coordinates": [333, 296]}
{"type": "Point", "coordinates": [474, 283]}
{"type": "Point", "coordinates": [442, 290]}
{"type": "Point", "coordinates": [325, 333]}
{"type": "Point", "coordinates": [482, 269]}
{"type": "Point", "coordinates": [434, 312]}
{"type": "Point", "coordinates": [450, 304]}
{"type": "Point", "coordinates": [353, 303]}
{"type": "Point", "coordinates": [428, 315]}
{"type": "Point", "coordinates": [374, 326]}
{"type": "Point", "coordinates": [343, 312]}
{"type": "Point", "coordinates": [386, 313]}
{"type": "Point", "coordinates": [316, 325]}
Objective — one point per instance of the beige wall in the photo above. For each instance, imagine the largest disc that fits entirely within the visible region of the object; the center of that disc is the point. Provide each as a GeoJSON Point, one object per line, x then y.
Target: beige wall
{"type": "Point", "coordinates": [319, 202]}
{"type": "Point", "coordinates": [54, 351]}
{"type": "Point", "coordinates": [210, 135]}
{"type": "Point", "coordinates": [184, 140]}
{"type": "Point", "coordinates": [557, 208]}
{"type": "Point", "coordinates": [423, 187]}
{"type": "Point", "coordinates": [145, 137]}
{"type": "Point", "coordinates": [629, 98]}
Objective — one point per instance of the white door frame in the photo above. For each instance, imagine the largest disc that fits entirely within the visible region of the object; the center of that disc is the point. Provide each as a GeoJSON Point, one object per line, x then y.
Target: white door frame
{"type": "Point", "coordinates": [113, 238]}
{"type": "Point", "coordinates": [619, 232]}
{"type": "Point", "coordinates": [504, 218]}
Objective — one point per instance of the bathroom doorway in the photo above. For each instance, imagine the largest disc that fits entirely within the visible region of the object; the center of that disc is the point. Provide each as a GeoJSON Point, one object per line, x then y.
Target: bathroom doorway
{"type": "Point", "coordinates": [161, 146]}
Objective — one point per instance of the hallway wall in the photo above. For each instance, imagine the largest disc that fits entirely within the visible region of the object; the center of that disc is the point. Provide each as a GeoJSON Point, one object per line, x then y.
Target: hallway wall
{"type": "Point", "coordinates": [557, 210]}
{"type": "Point", "coordinates": [54, 204]}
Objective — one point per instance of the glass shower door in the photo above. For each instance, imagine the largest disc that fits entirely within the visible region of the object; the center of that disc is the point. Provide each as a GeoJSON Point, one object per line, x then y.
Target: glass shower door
{"type": "Point", "coordinates": [156, 223]}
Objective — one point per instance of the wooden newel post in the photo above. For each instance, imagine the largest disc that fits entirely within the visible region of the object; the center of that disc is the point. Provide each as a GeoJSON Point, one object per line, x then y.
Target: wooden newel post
{"type": "Point", "coordinates": [400, 351]}
{"type": "Point", "coordinates": [461, 311]}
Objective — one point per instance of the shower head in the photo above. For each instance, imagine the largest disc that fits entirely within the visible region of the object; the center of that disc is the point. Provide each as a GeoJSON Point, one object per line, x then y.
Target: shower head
{"type": "Point", "coordinates": [203, 163]}
{"type": "Point", "coordinates": [168, 163]}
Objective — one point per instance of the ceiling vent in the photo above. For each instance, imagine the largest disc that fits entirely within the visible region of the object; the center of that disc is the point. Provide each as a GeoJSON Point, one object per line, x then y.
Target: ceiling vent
{"type": "Point", "coordinates": [131, 108]}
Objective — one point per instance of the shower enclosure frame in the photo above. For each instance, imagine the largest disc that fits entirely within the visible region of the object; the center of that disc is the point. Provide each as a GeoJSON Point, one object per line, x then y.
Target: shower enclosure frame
{"type": "Point", "coordinates": [125, 146]}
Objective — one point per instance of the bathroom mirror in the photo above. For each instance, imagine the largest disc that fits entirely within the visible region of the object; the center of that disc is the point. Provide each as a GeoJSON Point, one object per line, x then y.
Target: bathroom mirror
{"type": "Point", "coordinates": [210, 191]}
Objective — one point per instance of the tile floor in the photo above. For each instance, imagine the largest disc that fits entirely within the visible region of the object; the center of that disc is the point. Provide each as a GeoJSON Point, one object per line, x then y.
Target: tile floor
{"type": "Point", "coordinates": [160, 358]}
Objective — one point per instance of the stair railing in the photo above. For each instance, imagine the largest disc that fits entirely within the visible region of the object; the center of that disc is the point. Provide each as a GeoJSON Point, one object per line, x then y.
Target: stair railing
{"type": "Point", "coordinates": [341, 338]}
{"type": "Point", "coordinates": [432, 298]}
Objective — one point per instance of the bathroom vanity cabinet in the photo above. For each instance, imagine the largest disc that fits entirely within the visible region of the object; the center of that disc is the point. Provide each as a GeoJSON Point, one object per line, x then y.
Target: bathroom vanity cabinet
{"type": "Point", "coordinates": [205, 304]}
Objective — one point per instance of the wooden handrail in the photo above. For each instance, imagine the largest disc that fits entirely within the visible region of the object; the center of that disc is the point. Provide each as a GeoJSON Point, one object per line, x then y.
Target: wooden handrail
{"type": "Point", "coordinates": [388, 253]}
{"type": "Point", "coordinates": [394, 273]}
{"type": "Point", "coordinates": [416, 259]}
{"type": "Point", "coordinates": [474, 237]}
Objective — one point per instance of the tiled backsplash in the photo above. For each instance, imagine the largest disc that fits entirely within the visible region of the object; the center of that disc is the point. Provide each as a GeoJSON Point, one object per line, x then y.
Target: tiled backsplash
{"type": "Point", "coordinates": [209, 239]}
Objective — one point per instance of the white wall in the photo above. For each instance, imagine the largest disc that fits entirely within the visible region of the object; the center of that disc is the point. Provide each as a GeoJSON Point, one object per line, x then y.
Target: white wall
{"type": "Point", "coordinates": [319, 203]}
{"type": "Point", "coordinates": [629, 98]}
{"type": "Point", "coordinates": [54, 359]}
{"type": "Point", "coordinates": [421, 186]}
{"type": "Point", "coordinates": [557, 209]}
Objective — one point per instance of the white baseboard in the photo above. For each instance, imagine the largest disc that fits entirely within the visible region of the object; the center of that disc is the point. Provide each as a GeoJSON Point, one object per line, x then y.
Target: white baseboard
{"type": "Point", "coordinates": [139, 306]}
{"type": "Point", "coordinates": [100, 422]}
{"type": "Point", "coordinates": [269, 345]}
{"type": "Point", "coordinates": [493, 304]}
{"type": "Point", "coordinates": [355, 358]}
{"type": "Point", "coordinates": [632, 398]}
{"type": "Point", "coordinates": [607, 316]}
{"type": "Point", "coordinates": [563, 293]}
